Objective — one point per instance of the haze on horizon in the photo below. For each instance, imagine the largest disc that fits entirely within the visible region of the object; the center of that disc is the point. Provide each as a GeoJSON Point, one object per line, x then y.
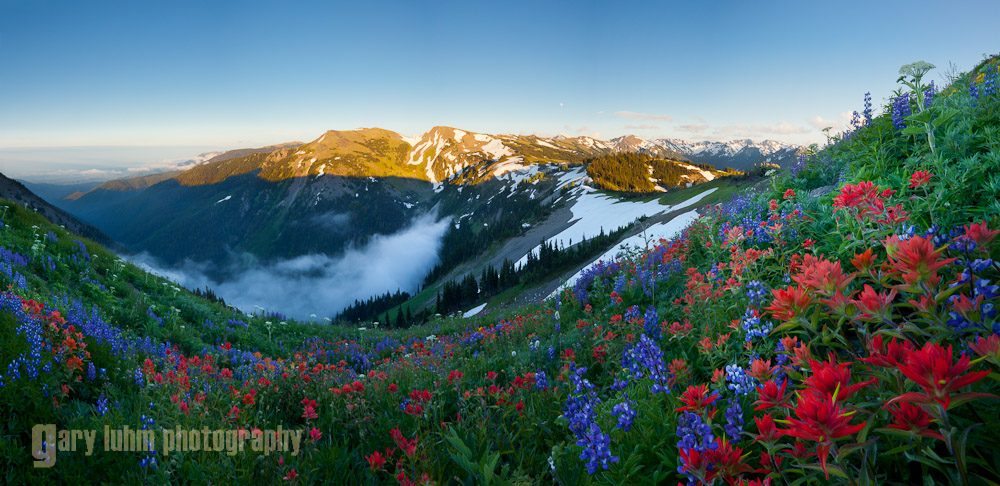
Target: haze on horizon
{"type": "Point", "coordinates": [118, 85]}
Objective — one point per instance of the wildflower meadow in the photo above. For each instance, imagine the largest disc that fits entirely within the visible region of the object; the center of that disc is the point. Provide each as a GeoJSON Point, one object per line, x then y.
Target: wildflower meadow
{"type": "Point", "coordinates": [835, 323]}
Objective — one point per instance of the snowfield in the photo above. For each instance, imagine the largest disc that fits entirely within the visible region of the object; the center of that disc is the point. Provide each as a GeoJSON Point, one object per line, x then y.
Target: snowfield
{"type": "Point", "coordinates": [593, 211]}
{"type": "Point", "coordinates": [473, 311]}
{"type": "Point", "coordinates": [652, 234]}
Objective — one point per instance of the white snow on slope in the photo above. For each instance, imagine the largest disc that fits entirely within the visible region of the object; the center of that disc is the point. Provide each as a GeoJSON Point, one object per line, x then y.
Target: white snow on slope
{"type": "Point", "coordinates": [593, 211]}
{"type": "Point", "coordinates": [704, 173]}
{"type": "Point", "coordinates": [654, 233]}
{"type": "Point", "coordinates": [518, 172]}
{"type": "Point", "coordinates": [473, 311]}
{"type": "Point", "coordinates": [224, 199]}
{"type": "Point", "coordinates": [496, 149]}
{"type": "Point", "coordinates": [543, 143]}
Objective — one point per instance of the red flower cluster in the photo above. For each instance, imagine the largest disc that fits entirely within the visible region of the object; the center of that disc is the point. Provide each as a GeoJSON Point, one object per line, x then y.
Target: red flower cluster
{"type": "Point", "coordinates": [869, 202]}
{"type": "Point", "coordinates": [919, 178]}
{"type": "Point", "coordinates": [934, 369]}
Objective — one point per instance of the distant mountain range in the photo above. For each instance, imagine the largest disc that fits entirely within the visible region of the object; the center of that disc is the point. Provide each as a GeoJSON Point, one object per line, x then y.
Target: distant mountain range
{"type": "Point", "coordinates": [344, 187]}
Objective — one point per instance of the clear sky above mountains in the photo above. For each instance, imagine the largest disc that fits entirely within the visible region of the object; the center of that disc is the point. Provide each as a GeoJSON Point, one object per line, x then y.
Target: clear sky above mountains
{"type": "Point", "coordinates": [234, 74]}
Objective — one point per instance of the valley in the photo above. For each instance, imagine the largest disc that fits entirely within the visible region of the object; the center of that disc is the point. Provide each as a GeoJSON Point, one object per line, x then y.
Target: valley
{"type": "Point", "coordinates": [219, 220]}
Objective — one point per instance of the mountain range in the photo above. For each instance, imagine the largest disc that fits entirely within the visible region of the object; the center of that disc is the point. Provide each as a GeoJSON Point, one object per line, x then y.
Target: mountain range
{"type": "Point", "coordinates": [246, 207]}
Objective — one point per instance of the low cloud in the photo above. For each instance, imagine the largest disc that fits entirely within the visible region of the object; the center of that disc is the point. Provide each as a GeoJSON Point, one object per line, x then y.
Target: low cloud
{"type": "Point", "coordinates": [642, 116]}
{"type": "Point", "coordinates": [693, 128]}
{"type": "Point", "coordinates": [819, 123]}
{"type": "Point", "coordinates": [759, 130]}
{"type": "Point", "coordinates": [643, 126]}
{"type": "Point", "coordinates": [320, 284]}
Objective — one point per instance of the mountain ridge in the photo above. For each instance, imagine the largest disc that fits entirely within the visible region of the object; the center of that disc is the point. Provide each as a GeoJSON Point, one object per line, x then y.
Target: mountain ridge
{"type": "Point", "coordinates": [444, 152]}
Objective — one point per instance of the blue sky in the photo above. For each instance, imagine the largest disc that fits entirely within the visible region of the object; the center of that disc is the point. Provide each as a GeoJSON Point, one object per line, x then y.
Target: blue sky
{"type": "Point", "coordinates": [177, 77]}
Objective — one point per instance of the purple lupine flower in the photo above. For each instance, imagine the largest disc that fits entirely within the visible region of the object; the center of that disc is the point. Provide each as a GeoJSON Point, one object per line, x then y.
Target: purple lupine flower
{"type": "Point", "coordinates": [756, 291]}
{"type": "Point", "coordinates": [645, 359]}
{"type": "Point", "coordinates": [652, 323]}
{"type": "Point", "coordinates": [734, 420]}
{"type": "Point", "coordinates": [900, 110]}
{"type": "Point", "coordinates": [739, 381]}
{"type": "Point", "coordinates": [102, 405]}
{"type": "Point", "coordinates": [625, 413]}
{"type": "Point", "coordinates": [541, 380]}
{"type": "Point", "coordinates": [868, 108]}
{"type": "Point", "coordinates": [596, 449]}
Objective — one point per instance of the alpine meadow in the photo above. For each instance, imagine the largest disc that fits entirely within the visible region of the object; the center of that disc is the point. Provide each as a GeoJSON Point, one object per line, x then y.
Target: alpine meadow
{"type": "Point", "coordinates": [743, 306]}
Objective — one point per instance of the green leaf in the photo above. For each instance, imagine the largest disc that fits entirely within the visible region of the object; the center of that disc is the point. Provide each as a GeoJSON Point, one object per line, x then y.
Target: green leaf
{"type": "Point", "coordinates": [833, 470]}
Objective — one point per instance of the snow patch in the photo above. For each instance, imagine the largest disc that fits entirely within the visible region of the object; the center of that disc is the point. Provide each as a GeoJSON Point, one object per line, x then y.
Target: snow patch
{"type": "Point", "coordinates": [496, 149]}
{"type": "Point", "coordinates": [473, 311]}
{"type": "Point", "coordinates": [513, 164]}
{"type": "Point", "coordinates": [704, 173]}
{"type": "Point", "coordinates": [224, 199]}
{"type": "Point", "coordinates": [543, 143]}
{"type": "Point", "coordinates": [665, 230]}
{"type": "Point", "coordinates": [593, 211]}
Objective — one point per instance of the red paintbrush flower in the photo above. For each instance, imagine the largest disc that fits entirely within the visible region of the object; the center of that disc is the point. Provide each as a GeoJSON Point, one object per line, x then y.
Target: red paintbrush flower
{"type": "Point", "coordinates": [981, 234]}
{"type": "Point", "coordinates": [987, 347]}
{"type": "Point", "coordinates": [309, 413]}
{"type": "Point", "coordinates": [832, 381]}
{"type": "Point", "coordinates": [696, 399]}
{"type": "Point", "coordinates": [789, 303]}
{"type": "Point", "coordinates": [407, 446]}
{"type": "Point", "coordinates": [729, 460]}
{"type": "Point", "coordinates": [421, 396]}
{"type": "Point", "coordinates": [766, 430]}
{"type": "Point", "coordinates": [887, 355]}
{"type": "Point", "coordinates": [915, 261]}
{"type": "Point", "coordinates": [874, 305]}
{"type": "Point", "coordinates": [375, 461]}
{"type": "Point", "coordinates": [865, 261]}
{"type": "Point", "coordinates": [769, 464]}
{"type": "Point", "coordinates": [919, 177]}
{"type": "Point", "coordinates": [822, 421]}
{"type": "Point", "coordinates": [856, 195]}
{"type": "Point", "coordinates": [761, 370]}
{"type": "Point", "coordinates": [932, 367]}
{"type": "Point", "coordinates": [822, 276]}
{"type": "Point", "coordinates": [838, 304]}
{"type": "Point", "coordinates": [698, 464]}
{"type": "Point", "coordinates": [770, 394]}
{"type": "Point", "coordinates": [911, 418]}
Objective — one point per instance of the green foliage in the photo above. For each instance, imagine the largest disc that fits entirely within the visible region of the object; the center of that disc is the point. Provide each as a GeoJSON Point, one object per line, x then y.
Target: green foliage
{"type": "Point", "coordinates": [633, 172]}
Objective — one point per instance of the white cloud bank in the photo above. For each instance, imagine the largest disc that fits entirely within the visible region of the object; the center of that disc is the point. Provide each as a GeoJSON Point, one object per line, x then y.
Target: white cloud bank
{"type": "Point", "coordinates": [320, 284]}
